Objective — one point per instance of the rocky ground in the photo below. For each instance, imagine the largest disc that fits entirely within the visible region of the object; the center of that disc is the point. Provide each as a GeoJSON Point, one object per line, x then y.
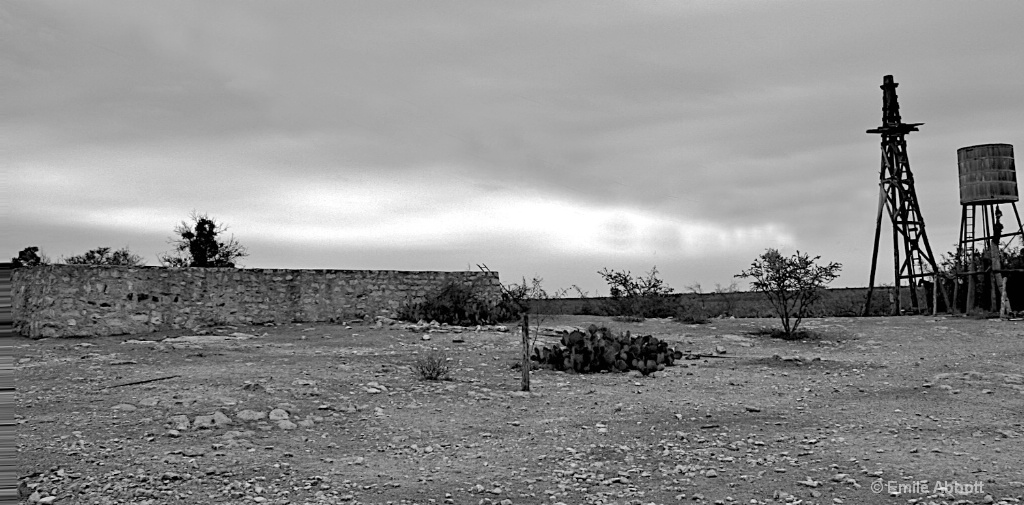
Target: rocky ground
{"type": "Point", "coordinates": [879, 410]}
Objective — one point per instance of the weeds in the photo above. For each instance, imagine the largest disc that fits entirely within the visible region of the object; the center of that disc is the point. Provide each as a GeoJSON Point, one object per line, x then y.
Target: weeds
{"type": "Point", "coordinates": [433, 366]}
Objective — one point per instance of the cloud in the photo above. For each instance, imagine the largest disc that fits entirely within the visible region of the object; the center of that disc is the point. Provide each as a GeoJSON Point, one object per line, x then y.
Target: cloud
{"type": "Point", "coordinates": [613, 131]}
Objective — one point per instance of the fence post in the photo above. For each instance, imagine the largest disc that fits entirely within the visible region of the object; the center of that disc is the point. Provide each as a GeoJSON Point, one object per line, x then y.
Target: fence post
{"type": "Point", "coordinates": [526, 352]}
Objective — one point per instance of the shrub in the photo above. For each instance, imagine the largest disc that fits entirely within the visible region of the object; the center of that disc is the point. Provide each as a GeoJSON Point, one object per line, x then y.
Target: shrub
{"type": "Point", "coordinates": [791, 284]}
{"type": "Point", "coordinates": [691, 315]}
{"type": "Point", "coordinates": [30, 257]}
{"type": "Point", "coordinates": [515, 299]}
{"type": "Point", "coordinates": [104, 256]}
{"type": "Point", "coordinates": [454, 303]}
{"type": "Point", "coordinates": [638, 297]}
{"type": "Point", "coordinates": [199, 244]}
{"type": "Point", "coordinates": [433, 366]}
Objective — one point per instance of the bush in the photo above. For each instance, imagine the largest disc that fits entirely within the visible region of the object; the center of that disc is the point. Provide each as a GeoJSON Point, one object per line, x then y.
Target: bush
{"type": "Point", "coordinates": [30, 257]}
{"type": "Point", "coordinates": [515, 299]}
{"type": "Point", "coordinates": [433, 366]}
{"type": "Point", "coordinates": [104, 256]}
{"type": "Point", "coordinates": [691, 315]}
{"type": "Point", "coordinates": [199, 244]}
{"type": "Point", "coordinates": [455, 304]}
{"type": "Point", "coordinates": [636, 298]}
{"type": "Point", "coordinates": [792, 284]}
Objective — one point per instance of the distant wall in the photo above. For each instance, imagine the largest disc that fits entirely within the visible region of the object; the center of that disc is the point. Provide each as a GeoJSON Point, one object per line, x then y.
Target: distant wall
{"type": "Point", "coordinates": [72, 300]}
{"type": "Point", "coordinates": [833, 302]}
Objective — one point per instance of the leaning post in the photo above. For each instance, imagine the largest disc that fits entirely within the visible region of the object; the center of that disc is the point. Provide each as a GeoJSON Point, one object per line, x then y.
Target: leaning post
{"type": "Point", "coordinates": [526, 352]}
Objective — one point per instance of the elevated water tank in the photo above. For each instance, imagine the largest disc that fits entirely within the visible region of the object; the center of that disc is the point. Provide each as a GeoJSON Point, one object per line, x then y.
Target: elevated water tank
{"type": "Point", "coordinates": [987, 174]}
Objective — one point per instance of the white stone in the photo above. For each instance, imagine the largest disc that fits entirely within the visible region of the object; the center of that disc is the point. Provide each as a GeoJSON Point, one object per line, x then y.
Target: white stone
{"type": "Point", "coordinates": [251, 415]}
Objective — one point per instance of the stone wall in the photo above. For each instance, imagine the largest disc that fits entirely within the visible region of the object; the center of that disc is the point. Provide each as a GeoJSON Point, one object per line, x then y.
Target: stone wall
{"type": "Point", "coordinates": [72, 300]}
{"type": "Point", "coordinates": [834, 302]}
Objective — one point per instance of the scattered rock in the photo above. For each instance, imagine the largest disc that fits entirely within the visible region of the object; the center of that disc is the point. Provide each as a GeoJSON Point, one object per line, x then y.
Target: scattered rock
{"type": "Point", "coordinates": [204, 422]}
{"type": "Point", "coordinates": [251, 415]}
{"type": "Point", "coordinates": [220, 419]}
{"type": "Point", "coordinates": [179, 422]}
{"type": "Point", "coordinates": [278, 415]}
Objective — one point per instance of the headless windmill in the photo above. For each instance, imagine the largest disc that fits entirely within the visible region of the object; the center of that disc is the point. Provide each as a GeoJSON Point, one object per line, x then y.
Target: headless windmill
{"type": "Point", "coordinates": [897, 196]}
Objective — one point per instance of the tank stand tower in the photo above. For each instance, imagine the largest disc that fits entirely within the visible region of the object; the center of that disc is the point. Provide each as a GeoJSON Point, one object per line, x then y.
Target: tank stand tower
{"type": "Point", "coordinates": [897, 195]}
{"type": "Point", "coordinates": [988, 179]}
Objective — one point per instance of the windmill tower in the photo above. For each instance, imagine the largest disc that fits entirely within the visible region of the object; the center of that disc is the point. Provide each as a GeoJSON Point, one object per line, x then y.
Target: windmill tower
{"type": "Point", "coordinates": [896, 194]}
{"type": "Point", "coordinates": [988, 179]}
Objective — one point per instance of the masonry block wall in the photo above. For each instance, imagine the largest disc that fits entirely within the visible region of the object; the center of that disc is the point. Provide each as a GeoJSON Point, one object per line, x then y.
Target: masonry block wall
{"type": "Point", "coordinates": [73, 300]}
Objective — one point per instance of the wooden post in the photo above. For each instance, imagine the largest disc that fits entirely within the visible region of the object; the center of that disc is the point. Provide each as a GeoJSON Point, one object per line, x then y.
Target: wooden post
{"type": "Point", "coordinates": [894, 213]}
{"type": "Point", "coordinates": [999, 282]}
{"type": "Point", "coordinates": [874, 255]}
{"type": "Point", "coordinates": [1004, 306]}
{"type": "Point", "coordinates": [972, 286]}
{"type": "Point", "coordinates": [953, 309]}
{"type": "Point", "coordinates": [526, 352]}
{"type": "Point", "coordinates": [935, 294]}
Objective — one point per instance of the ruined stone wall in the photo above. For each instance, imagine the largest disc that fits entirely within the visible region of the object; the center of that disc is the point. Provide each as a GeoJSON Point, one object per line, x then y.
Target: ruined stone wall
{"type": "Point", "coordinates": [73, 300]}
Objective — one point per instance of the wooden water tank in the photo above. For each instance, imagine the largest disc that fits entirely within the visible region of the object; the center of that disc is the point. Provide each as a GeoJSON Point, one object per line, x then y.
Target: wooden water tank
{"type": "Point", "coordinates": [987, 174]}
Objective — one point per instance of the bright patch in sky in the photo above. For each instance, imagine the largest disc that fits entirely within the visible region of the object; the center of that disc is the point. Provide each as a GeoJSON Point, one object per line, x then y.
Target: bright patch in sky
{"type": "Point", "coordinates": [421, 211]}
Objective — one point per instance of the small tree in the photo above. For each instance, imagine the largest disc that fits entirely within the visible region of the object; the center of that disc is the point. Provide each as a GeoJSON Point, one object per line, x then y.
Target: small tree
{"type": "Point", "coordinates": [791, 284]}
{"type": "Point", "coordinates": [103, 256]}
{"type": "Point", "coordinates": [636, 297]}
{"type": "Point", "coordinates": [197, 245]}
{"type": "Point", "coordinates": [724, 293]}
{"type": "Point", "coordinates": [29, 257]}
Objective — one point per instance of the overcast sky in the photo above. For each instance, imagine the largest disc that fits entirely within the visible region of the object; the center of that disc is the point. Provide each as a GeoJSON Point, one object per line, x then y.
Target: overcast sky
{"type": "Point", "coordinates": [539, 138]}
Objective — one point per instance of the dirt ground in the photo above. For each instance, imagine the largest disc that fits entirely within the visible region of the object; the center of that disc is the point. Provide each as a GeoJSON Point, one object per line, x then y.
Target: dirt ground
{"type": "Point", "coordinates": [880, 410]}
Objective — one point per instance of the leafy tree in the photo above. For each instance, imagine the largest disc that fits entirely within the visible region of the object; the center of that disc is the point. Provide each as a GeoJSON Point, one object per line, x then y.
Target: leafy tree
{"type": "Point", "coordinates": [197, 245]}
{"type": "Point", "coordinates": [29, 257]}
{"type": "Point", "coordinates": [791, 284]}
{"type": "Point", "coordinates": [636, 297]}
{"type": "Point", "coordinates": [103, 256]}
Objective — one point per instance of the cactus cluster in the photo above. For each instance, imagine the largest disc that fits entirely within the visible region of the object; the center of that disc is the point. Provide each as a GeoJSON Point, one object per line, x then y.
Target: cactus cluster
{"type": "Point", "coordinates": [599, 349]}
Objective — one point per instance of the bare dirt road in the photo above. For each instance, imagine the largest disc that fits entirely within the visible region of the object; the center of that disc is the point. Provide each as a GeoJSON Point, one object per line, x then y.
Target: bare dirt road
{"type": "Point", "coordinates": [880, 410]}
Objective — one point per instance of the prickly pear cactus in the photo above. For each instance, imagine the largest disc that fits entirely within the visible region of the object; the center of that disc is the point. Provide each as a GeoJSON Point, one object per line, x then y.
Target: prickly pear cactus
{"type": "Point", "coordinates": [598, 349]}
